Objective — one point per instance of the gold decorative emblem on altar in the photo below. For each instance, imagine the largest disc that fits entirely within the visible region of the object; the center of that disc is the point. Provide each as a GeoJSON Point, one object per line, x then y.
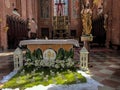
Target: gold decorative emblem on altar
{"type": "Point", "coordinates": [49, 54]}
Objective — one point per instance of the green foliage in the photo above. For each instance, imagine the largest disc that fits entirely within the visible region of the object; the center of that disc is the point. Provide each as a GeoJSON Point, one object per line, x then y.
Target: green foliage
{"type": "Point", "coordinates": [36, 77]}
{"type": "Point", "coordinates": [60, 54]}
{"type": "Point", "coordinates": [36, 55]}
{"type": "Point", "coordinates": [35, 59]}
{"type": "Point", "coordinates": [71, 53]}
{"type": "Point", "coordinates": [66, 55]}
{"type": "Point", "coordinates": [28, 54]}
{"type": "Point", "coordinates": [33, 56]}
{"type": "Point", "coordinates": [39, 54]}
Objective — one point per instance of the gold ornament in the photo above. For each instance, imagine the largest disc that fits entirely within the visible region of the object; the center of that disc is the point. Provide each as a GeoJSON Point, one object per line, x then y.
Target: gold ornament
{"type": "Point", "coordinates": [6, 28]}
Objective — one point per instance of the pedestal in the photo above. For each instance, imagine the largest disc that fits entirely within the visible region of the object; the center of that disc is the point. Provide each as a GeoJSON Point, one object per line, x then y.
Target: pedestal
{"type": "Point", "coordinates": [86, 40]}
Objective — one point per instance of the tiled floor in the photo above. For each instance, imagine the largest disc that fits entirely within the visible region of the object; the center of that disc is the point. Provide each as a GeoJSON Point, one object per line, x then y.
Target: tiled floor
{"type": "Point", "coordinates": [105, 66]}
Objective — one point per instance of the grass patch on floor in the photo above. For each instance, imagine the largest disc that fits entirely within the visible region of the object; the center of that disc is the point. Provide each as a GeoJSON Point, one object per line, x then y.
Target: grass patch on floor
{"type": "Point", "coordinates": [44, 76]}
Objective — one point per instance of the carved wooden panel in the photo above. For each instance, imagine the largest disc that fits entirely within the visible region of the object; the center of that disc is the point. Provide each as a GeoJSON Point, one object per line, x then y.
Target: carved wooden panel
{"type": "Point", "coordinates": [60, 22]}
{"type": "Point", "coordinates": [44, 8]}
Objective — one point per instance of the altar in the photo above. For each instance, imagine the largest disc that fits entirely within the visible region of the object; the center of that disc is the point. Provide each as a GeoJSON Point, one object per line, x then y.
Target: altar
{"type": "Point", "coordinates": [54, 44]}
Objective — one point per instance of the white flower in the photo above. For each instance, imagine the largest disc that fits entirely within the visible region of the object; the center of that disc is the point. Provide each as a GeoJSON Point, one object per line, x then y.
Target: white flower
{"type": "Point", "coordinates": [56, 66]}
{"type": "Point", "coordinates": [37, 62]}
{"type": "Point", "coordinates": [58, 61]}
{"type": "Point", "coordinates": [52, 73]}
{"type": "Point", "coordinates": [53, 66]}
{"type": "Point", "coordinates": [62, 65]}
{"type": "Point", "coordinates": [46, 63]}
{"type": "Point", "coordinates": [28, 60]}
{"type": "Point", "coordinates": [26, 63]}
{"type": "Point", "coordinates": [42, 63]}
{"type": "Point", "coordinates": [68, 64]}
{"type": "Point", "coordinates": [23, 72]}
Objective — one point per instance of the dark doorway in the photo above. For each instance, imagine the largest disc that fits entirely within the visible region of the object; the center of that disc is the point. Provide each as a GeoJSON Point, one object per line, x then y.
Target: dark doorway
{"type": "Point", "coordinates": [17, 31]}
{"type": "Point", "coordinates": [98, 31]}
{"type": "Point", "coordinates": [45, 32]}
{"type": "Point", "coordinates": [73, 33]}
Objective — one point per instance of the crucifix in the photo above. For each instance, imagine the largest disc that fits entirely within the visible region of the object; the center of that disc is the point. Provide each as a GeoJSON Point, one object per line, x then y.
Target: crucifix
{"type": "Point", "coordinates": [60, 8]}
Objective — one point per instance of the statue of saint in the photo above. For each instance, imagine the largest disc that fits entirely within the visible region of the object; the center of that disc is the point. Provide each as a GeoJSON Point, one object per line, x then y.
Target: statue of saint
{"type": "Point", "coordinates": [44, 8]}
{"type": "Point", "coordinates": [86, 14]}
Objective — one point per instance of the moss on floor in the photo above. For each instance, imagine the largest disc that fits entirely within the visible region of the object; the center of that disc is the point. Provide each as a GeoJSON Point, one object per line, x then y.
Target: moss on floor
{"type": "Point", "coordinates": [44, 76]}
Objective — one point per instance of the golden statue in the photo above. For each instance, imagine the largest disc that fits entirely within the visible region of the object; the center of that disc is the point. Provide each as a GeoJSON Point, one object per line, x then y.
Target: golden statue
{"type": "Point", "coordinates": [86, 15]}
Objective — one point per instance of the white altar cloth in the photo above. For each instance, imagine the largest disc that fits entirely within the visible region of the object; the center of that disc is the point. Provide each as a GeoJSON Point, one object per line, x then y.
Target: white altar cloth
{"type": "Point", "coordinates": [50, 41]}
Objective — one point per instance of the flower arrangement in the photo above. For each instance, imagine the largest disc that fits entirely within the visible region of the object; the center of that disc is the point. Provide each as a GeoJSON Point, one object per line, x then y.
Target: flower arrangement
{"type": "Point", "coordinates": [37, 71]}
{"type": "Point", "coordinates": [64, 59]}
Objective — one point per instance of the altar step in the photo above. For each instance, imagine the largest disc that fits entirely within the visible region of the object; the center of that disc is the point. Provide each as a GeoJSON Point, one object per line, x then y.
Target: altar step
{"type": "Point", "coordinates": [6, 65]}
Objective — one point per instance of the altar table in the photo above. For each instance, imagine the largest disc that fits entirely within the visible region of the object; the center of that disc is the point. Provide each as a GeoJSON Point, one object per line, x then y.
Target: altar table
{"type": "Point", "coordinates": [54, 44]}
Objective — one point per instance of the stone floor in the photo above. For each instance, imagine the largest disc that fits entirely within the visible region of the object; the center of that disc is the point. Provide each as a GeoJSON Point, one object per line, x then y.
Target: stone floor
{"type": "Point", "coordinates": [104, 66]}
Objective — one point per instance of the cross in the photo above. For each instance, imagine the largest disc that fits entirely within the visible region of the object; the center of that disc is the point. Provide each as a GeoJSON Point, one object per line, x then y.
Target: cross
{"type": "Point", "coordinates": [60, 8]}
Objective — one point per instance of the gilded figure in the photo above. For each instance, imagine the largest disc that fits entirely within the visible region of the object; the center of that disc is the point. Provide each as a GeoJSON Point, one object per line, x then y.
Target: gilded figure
{"type": "Point", "coordinates": [86, 15]}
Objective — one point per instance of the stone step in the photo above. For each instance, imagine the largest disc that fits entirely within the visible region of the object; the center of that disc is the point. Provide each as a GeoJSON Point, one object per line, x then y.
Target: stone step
{"type": "Point", "coordinates": [10, 67]}
{"type": "Point", "coordinates": [8, 58]}
{"type": "Point", "coordinates": [5, 70]}
{"type": "Point", "coordinates": [6, 66]}
{"type": "Point", "coordinates": [5, 61]}
{"type": "Point", "coordinates": [2, 65]}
